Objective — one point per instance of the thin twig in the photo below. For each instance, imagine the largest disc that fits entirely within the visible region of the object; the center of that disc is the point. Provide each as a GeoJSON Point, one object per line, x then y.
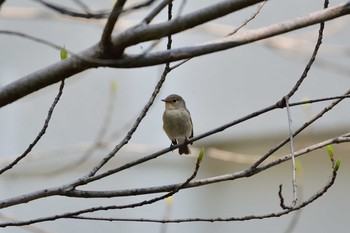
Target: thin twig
{"type": "Point", "coordinates": [99, 138]}
{"type": "Point", "coordinates": [312, 59]}
{"type": "Point", "coordinates": [305, 125]}
{"type": "Point", "coordinates": [83, 6]}
{"type": "Point", "coordinates": [66, 11]}
{"type": "Point", "coordinates": [244, 23]}
{"type": "Point", "coordinates": [291, 143]}
{"type": "Point", "coordinates": [41, 133]}
{"type": "Point", "coordinates": [155, 11]}
{"type": "Point", "coordinates": [286, 102]}
{"type": "Point", "coordinates": [87, 13]}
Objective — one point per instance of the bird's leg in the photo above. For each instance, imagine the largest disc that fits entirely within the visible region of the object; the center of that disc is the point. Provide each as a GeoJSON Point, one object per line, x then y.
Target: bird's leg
{"type": "Point", "coordinates": [173, 143]}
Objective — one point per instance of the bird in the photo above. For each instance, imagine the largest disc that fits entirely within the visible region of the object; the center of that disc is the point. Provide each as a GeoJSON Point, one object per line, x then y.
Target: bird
{"type": "Point", "coordinates": [177, 122]}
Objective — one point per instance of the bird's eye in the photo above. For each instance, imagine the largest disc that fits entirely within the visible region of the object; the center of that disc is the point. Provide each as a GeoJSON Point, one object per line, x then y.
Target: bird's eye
{"type": "Point", "coordinates": [174, 101]}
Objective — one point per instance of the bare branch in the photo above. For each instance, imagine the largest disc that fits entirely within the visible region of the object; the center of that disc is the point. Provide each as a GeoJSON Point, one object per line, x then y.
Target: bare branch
{"type": "Point", "coordinates": [255, 13]}
{"type": "Point", "coordinates": [73, 65]}
{"type": "Point", "coordinates": [158, 30]}
{"type": "Point", "coordinates": [99, 141]}
{"type": "Point", "coordinates": [87, 13]}
{"type": "Point", "coordinates": [67, 189]}
{"type": "Point", "coordinates": [291, 143]}
{"type": "Point", "coordinates": [312, 59]}
{"type": "Point", "coordinates": [1, 2]}
{"type": "Point", "coordinates": [41, 133]}
{"type": "Point", "coordinates": [318, 116]}
{"type": "Point", "coordinates": [66, 11]}
{"type": "Point", "coordinates": [108, 29]}
{"type": "Point", "coordinates": [156, 11]}
{"type": "Point", "coordinates": [285, 101]}
{"type": "Point", "coordinates": [94, 209]}
{"type": "Point", "coordinates": [314, 197]}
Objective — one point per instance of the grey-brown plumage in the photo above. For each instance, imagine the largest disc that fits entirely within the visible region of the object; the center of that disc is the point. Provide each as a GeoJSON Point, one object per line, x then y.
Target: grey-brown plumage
{"type": "Point", "coordinates": [177, 122]}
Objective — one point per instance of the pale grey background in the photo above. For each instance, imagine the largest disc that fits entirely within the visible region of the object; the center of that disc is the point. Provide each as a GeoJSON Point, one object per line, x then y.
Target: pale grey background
{"type": "Point", "coordinates": [218, 88]}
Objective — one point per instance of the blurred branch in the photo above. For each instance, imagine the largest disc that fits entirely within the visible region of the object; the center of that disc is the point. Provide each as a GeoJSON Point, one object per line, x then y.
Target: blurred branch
{"type": "Point", "coordinates": [66, 11]}
{"type": "Point", "coordinates": [1, 2]}
{"type": "Point", "coordinates": [87, 13]}
{"type": "Point", "coordinates": [82, 5]}
{"type": "Point", "coordinates": [99, 141]}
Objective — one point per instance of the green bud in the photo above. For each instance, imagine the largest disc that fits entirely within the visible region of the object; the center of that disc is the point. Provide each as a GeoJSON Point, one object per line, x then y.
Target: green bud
{"type": "Point", "coordinates": [201, 154]}
{"type": "Point", "coordinates": [63, 53]}
{"type": "Point", "coordinates": [330, 152]}
{"type": "Point", "coordinates": [337, 165]}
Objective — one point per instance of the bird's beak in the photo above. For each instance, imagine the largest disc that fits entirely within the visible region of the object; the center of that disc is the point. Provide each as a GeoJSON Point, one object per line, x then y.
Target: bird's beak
{"type": "Point", "coordinates": [164, 100]}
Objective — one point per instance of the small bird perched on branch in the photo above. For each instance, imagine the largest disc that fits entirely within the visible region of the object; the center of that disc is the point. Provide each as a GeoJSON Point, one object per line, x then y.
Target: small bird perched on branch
{"type": "Point", "coordinates": [177, 122]}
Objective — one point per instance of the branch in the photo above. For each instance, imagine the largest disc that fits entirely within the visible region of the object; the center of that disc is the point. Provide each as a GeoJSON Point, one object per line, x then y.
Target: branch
{"type": "Point", "coordinates": [314, 197]}
{"type": "Point", "coordinates": [66, 11]}
{"type": "Point", "coordinates": [142, 33]}
{"type": "Point", "coordinates": [89, 15]}
{"type": "Point", "coordinates": [152, 32]}
{"type": "Point", "coordinates": [285, 101]}
{"type": "Point", "coordinates": [305, 125]}
{"type": "Point", "coordinates": [108, 29]}
{"type": "Point", "coordinates": [94, 209]}
{"type": "Point", "coordinates": [1, 2]}
{"type": "Point", "coordinates": [317, 195]}
{"type": "Point", "coordinates": [156, 11]}
{"type": "Point", "coordinates": [227, 219]}
{"type": "Point", "coordinates": [227, 177]}
{"type": "Point", "coordinates": [312, 59]}
{"type": "Point", "coordinates": [66, 190]}
{"type": "Point", "coordinates": [41, 133]}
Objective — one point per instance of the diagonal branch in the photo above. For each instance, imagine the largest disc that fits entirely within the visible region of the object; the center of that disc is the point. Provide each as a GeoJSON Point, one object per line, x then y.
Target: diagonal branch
{"type": "Point", "coordinates": [41, 133]}
{"type": "Point", "coordinates": [112, 19]}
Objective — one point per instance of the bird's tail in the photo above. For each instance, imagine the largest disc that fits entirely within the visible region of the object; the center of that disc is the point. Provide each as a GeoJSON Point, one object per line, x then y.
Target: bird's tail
{"type": "Point", "coordinates": [184, 150]}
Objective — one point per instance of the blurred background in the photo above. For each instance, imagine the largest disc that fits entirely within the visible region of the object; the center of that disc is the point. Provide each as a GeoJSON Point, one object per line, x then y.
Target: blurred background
{"type": "Point", "coordinates": [218, 89]}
